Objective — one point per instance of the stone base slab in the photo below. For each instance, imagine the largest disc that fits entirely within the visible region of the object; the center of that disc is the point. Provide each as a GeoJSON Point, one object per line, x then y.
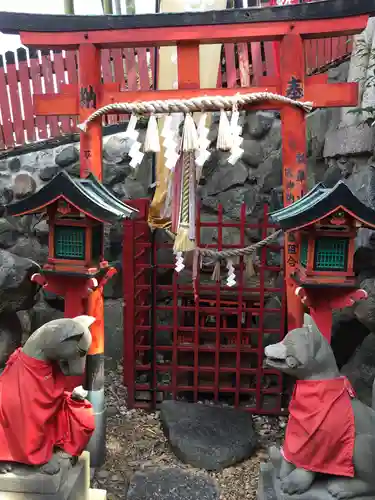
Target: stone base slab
{"type": "Point", "coordinates": [269, 488]}
{"type": "Point", "coordinates": [69, 484]}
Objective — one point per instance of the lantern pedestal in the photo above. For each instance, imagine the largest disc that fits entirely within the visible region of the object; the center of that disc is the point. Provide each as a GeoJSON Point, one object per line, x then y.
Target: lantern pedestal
{"type": "Point", "coordinates": [321, 302]}
{"type": "Point", "coordinates": [83, 294]}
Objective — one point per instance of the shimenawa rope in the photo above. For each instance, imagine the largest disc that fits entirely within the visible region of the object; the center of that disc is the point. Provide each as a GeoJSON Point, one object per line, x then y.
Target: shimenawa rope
{"type": "Point", "coordinates": [202, 103]}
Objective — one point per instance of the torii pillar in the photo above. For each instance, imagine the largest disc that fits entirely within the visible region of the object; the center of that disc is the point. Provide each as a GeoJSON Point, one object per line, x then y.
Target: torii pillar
{"type": "Point", "coordinates": [90, 93]}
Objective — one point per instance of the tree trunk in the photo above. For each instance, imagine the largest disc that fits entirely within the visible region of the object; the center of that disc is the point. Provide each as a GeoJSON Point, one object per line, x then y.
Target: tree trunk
{"type": "Point", "coordinates": [130, 7]}
{"type": "Point", "coordinates": [69, 6]}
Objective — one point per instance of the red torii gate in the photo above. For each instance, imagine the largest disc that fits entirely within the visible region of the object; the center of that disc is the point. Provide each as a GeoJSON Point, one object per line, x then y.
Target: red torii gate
{"type": "Point", "coordinates": [289, 25]}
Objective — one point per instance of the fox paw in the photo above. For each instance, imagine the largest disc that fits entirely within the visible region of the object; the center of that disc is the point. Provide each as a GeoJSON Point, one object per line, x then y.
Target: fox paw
{"type": "Point", "coordinates": [5, 467]}
{"type": "Point", "coordinates": [297, 482]}
{"type": "Point", "coordinates": [338, 491]}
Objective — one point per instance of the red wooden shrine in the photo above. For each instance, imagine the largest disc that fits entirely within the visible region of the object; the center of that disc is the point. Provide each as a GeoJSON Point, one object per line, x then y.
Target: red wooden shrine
{"type": "Point", "coordinates": [291, 27]}
{"type": "Point", "coordinates": [322, 227]}
{"type": "Point", "coordinates": [91, 94]}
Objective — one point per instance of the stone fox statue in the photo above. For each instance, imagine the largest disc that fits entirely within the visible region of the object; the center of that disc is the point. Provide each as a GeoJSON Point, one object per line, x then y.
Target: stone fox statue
{"type": "Point", "coordinates": [329, 431]}
{"type": "Point", "coordinates": [39, 421]}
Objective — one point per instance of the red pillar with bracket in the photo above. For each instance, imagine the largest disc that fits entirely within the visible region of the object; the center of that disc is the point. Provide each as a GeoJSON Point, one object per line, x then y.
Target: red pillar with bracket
{"type": "Point", "coordinates": [293, 133]}
{"type": "Point", "coordinates": [321, 302]}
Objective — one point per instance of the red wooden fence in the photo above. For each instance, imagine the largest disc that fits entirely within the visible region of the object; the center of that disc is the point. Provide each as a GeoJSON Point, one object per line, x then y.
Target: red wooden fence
{"type": "Point", "coordinates": [205, 348]}
{"type": "Point", "coordinates": [23, 73]}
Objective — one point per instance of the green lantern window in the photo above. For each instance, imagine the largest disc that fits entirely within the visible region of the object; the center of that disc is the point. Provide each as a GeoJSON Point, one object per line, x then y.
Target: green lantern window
{"type": "Point", "coordinates": [331, 254]}
{"type": "Point", "coordinates": [304, 251]}
{"type": "Point", "coordinates": [69, 242]}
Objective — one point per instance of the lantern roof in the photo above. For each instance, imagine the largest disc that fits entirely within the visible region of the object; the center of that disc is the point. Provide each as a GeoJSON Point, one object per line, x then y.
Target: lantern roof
{"type": "Point", "coordinates": [319, 203]}
{"type": "Point", "coordinates": [86, 195]}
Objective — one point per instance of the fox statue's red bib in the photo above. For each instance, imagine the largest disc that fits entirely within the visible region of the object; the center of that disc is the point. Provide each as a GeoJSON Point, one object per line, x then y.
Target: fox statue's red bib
{"type": "Point", "coordinates": [320, 433]}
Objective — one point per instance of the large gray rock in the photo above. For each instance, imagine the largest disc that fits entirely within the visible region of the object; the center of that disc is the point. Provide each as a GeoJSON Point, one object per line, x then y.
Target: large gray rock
{"type": "Point", "coordinates": [30, 247]}
{"type": "Point", "coordinates": [170, 483]}
{"type": "Point", "coordinates": [24, 185]}
{"type": "Point", "coordinates": [225, 177]}
{"type": "Point", "coordinates": [9, 233]}
{"type": "Point", "coordinates": [42, 313]}
{"type": "Point", "coordinates": [114, 328]}
{"type": "Point", "coordinates": [10, 335]}
{"type": "Point", "coordinates": [349, 140]}
{"type": "Point", "coordinates": [114, 173]}
{"type": "Point", "coordinates": [115, 149]}
{"type": "Point", "coordinates": [208, 437]}
{"type": "Point", "coordinates": [360, 370]}
{"type": "Point", "coordinates": [17, 292]}
{"type": "Point", "coordinates": [129, 189]}
{"type": "Point", "coordinates": [48, 172]}
{"type": "Point", "coordinates": [67, 156]}
{"type": "Point", "coordinates": [259, 123]}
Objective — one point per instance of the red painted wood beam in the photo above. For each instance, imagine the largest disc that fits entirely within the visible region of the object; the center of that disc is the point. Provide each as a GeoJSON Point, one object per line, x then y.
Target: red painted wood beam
{"type": "Point", "coordinates": [322, 95]}
{"type": "Point", "coordinates": [331, 95]}
{"type": "Point", "coordinates": [67, 104]}
{"type": "Point", "coordinates": [151, 37]}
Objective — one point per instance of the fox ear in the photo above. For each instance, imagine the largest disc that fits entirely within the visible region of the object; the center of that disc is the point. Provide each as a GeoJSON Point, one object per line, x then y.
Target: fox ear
{"type": "Point", "coordinates": [85, 321]}
{"type": "Point", "coordinates": [311, 326]}
{"type": "Point", "coordinates": [307, 320]}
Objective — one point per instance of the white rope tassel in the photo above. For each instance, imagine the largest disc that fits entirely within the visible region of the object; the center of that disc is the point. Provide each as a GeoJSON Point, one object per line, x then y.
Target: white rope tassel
{"type": "Point", "coordinates": [179, 264]}
{"type": "Point", "coordinates": [83, 126]}
{"type": "Point", "coordinates": [190, 134]}
{"type": "Point", "coordinates": [135, 153]}
{"type": "Point", "coordinates": [231, 279]}
{"type": "Point", "coordinates": [167, 126]}
{"type": "Point", "coordinates": [202, 154]}
{"type": "Point", "coordinates": [130, 131]}
{"type": "Point", "coordinates": [236, 151]}
{"type": "Point", "coordinates": [152, 142]}
{"type": "Point", "coordinates": [224, 138]}
{"type": "Point", "coordinates": [171, 141]}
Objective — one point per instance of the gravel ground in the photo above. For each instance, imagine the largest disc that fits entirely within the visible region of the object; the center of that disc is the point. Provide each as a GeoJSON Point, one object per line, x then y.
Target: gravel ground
{"type": "Point", "coordinates": [135, 441]}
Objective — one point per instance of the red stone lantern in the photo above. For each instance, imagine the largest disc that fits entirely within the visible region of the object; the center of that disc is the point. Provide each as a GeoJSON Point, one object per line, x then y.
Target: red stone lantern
{"type": "Point", "coordinates": [76, 210]}
{"type": "Point", "coordinates": [322, 227]}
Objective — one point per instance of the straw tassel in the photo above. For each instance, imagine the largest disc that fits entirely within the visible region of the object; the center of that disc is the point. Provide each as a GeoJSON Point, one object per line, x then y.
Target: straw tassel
{"type": "Point", "coordinates": [224, 138]}
{"type": "Point", "coordinates": [216, 274]}
{"type": "Point", "coordinates": [152, 142]}
{"type": "Point", "coordinates": [182, 242]}
{"type": "Point", "coordinates": [192, 199]}
{"type": "Point", "coordinates": [249, 266]}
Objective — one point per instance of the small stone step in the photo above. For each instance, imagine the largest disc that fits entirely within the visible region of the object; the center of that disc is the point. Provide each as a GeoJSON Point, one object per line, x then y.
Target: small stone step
{"type": "Point", "coordinates": [171, 483]}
